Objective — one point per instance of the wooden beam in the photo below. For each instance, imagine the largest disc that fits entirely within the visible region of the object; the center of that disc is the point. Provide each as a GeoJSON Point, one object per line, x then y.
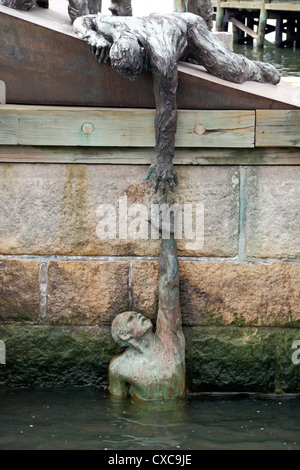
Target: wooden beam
{"type": "Point", "coordinates": [241, 5]}
{"type": "Point", "coordinates": [178, 5]}
{"type": "Point", "coordinates": [120, 127]}
{"type": "Point", "coordinates": [263, 18]}
{"type": "Point", "coordinates": [243, 27]}
{"type": "Point", "coordinates": [220, 25]}
{"type": "Point", "coordinates": [278, 30]}
{"type": "Point", "coordinates": [277, 128]}
{"type": "Point", "coordinates": [146, 156]}
{"type": "Point", "coordinates": [285, 6]}
{"type": "Point", "coordinates": [296, 37]}
{"type": "Point", "coordinates": [256, 5]}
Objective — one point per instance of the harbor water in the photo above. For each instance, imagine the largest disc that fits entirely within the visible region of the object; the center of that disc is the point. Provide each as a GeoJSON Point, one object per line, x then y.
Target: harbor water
{"type": "Point", "coordinates": [286, 60]}
{"type": "Point", "coordinates": [86, 418]}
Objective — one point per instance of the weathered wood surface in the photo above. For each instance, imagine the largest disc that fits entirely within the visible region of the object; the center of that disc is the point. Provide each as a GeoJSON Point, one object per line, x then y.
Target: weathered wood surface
{"type": "Point", "coordinates": [209, 92]}
{"type": "Point", "coordinates": [146, 156]}
{"type": "Point", "coordinates": [35, 41]}
{"type": "Point", "coordinates": [256, 5]}
{"type": "Point", "coordinates": [2, 92]}
{"type": "Point", "coordinates": [58, 68]}
{"type": "Point", "coordinates": [109, 127]}
{"type": "Point", "coordinates": [91, 127]}
{"type": "Point", "coordinates": [279, 126]}
{"type": "Point", "coordinates": [243, 27]}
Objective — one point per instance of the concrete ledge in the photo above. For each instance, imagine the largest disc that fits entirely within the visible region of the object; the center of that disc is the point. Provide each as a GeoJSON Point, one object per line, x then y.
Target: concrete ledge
{"type": "Point", "coordinates": [225, 37]}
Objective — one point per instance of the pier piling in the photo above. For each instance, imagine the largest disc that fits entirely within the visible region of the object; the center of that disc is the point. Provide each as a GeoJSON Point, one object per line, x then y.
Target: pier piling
{"type": "Point", "coordinates": [252, 20]}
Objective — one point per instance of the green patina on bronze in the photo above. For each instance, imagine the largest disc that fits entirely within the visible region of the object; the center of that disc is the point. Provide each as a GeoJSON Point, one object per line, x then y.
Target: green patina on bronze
{"type": "Point", "coordinates": [152, 368]}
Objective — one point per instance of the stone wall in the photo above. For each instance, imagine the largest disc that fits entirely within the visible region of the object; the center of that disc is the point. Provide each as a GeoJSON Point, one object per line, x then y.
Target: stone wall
{"type": "Point", "coordinates": [61, 286]}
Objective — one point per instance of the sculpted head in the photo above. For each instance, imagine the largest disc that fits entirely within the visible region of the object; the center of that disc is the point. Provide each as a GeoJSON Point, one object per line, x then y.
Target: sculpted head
{"type": "Point", "coordinates": [127, 56]}
{"type": "Point", "coordinates": [129, 326]}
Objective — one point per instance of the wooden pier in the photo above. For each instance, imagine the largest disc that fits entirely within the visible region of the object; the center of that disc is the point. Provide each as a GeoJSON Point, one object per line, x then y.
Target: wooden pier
{"type": "Point", "coordinates": [250, 20]}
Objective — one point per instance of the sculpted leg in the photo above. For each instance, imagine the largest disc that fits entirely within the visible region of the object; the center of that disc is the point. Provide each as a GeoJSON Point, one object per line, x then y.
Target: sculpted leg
{"type": "Point", "coordinates": [202, 8]}
{"type": "Point", "coordinates": [79, 8]}
{"type": "Point", "coordinates": [219, 60]}
{"type": "Point", "coordinates": [121, 7]}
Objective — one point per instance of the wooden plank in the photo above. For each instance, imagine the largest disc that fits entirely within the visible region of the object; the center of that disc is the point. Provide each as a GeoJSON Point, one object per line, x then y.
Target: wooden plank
{"type": "Point", "coordinates": [283, 6]}
{"type": "Point", "coordinates": [243, 27]}
{"type": "Point", "coordinates": [98, 127]}
{"type": "Point", "coordinates": [241, 5]}
{"type": "Point", "coordinates": [257, 5]}
{"type": "Point", "coordinates": [8, 129]}
{"type": "Point", "coordinates": [215, 128]}
{"type": "Point", "coordinates": [2, 92]}
{"type": "Point", "coordinates": [278, 128]}
{"type": "Point", "coordinates": [61, 71]}
{"type": "Point", "coordinates": [247, 30]}
{"type": "Point", "coordinates": [178, 6]}
{"type": "Point", "coordinates": [201, 90]}
{"type": "Point", "coordinates": [146, 156]}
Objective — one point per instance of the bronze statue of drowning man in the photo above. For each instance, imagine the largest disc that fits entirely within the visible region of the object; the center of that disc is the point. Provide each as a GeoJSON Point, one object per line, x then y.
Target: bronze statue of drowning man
{"type": "Point", "coordinates": [157, 42]}
{"type": "Point", "coordinates": [152, 367]}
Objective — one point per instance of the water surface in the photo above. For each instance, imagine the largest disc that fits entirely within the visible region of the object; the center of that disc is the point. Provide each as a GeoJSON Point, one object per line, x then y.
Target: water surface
{"type": "Point", "coordinates": [86, 418]}
{"type": "Point", "coordinates": [286, 60]}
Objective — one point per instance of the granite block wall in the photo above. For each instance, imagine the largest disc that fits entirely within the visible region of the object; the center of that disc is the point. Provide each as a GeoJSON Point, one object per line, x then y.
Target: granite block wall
{"type": "Point", "coordinates": [61, 285]}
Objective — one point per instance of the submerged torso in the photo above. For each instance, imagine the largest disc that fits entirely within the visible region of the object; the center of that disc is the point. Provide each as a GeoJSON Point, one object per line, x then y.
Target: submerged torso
{"type": "Point", "coordinates": [158, 374]}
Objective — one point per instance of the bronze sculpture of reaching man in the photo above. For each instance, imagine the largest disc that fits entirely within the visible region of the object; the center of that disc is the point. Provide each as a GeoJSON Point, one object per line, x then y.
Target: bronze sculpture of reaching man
{"type": "Point", "coordinates": [157, 43]}
{"type": "Point", "coordinates": [152, 367]}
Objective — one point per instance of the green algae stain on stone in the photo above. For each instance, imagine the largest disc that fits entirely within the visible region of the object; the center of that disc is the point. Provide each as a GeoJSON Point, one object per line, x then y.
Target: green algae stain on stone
{"type": "Point", "coordinates": [45, 355]}
{"type": "Point", "coordinates": [242, 359]}
{"type": "Point", "coordinates": [75, 230]}
{"type": "Point", "coordinates": [218, 359]}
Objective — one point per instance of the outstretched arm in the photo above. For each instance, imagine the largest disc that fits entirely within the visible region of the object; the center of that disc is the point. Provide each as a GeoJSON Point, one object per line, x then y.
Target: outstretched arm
{"type": "Point", "coordinates": [165, 87]}
{"type": "Point", "coordinates": [77, 8]}
{"type": "Point", "coordinates": [169, 313]}
{"type": "Point", "coordinates": [202, 8]}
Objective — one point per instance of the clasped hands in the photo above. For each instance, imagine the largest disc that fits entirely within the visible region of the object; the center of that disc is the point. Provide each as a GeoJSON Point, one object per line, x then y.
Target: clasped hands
{"type": "Point", "coordinates": [164, 174]}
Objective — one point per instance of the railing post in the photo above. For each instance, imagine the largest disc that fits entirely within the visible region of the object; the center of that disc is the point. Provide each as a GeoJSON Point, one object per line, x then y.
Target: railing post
{"type": "Point", "coordinates": [263, 18]}
{"type": "Point", "coordinates": [278, 30]}
{"type": "Point", "coordinates": [220, 17]}
{"type": "Point", "coordinates": [179, 6]}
